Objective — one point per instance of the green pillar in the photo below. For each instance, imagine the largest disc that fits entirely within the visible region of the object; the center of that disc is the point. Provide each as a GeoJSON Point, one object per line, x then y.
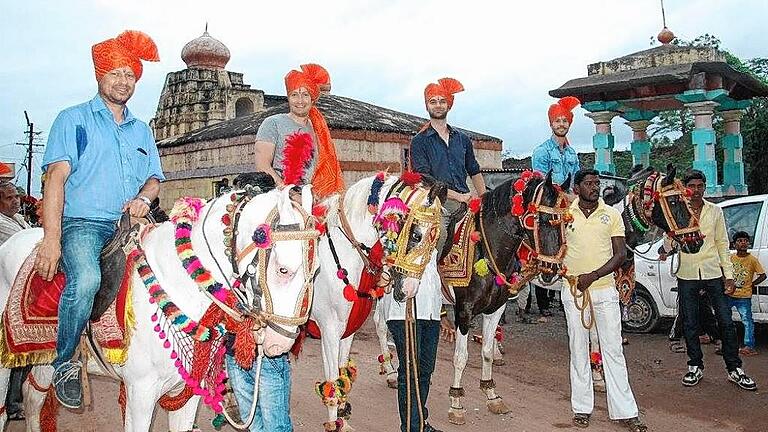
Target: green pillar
{"type": "Point", "coordinates": [703, 138]}
{"type": "Point", "coordinates": [733, 164]}
{"type": "Point", "coordinates": [639, 120]}
{"type": "Point", "coordinates": [603, 141]}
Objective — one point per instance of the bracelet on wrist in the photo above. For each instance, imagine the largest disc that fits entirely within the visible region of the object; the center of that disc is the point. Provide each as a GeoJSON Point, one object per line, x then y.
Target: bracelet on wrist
{"type": "Point", "coordinates": [145, 200]}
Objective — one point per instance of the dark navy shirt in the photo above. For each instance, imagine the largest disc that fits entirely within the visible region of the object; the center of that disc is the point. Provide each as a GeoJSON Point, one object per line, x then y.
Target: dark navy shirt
{"type": "Point", "coordinates": [450, 163]}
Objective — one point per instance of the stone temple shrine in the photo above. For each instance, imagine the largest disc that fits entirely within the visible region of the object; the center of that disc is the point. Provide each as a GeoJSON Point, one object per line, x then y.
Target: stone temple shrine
{"type": "Point", "coordinates": [637, 87]}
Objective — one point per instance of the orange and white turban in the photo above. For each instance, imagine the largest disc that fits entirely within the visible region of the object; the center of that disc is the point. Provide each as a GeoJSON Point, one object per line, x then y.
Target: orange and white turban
{"type": "Point", "coordinates": [563, 107]}
{"type": "Point", "coordinates": [127, 49]}
{"type": "Point", "coordinates": [445, 87]}
{"type": "Point", "coordinates": [327, 179]}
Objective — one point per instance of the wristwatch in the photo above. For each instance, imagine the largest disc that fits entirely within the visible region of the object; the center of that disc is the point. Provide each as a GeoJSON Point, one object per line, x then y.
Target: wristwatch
{"type": "Point", "coordinates": [145, 200]}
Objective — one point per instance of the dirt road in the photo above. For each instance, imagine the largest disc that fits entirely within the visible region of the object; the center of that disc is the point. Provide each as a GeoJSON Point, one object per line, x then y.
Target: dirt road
{"type": "Point", "coordinates": [534, 383]}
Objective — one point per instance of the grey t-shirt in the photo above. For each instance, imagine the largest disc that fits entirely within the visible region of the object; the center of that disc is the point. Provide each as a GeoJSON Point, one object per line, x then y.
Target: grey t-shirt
{"type": "Point", "coordinates": [275, 129]}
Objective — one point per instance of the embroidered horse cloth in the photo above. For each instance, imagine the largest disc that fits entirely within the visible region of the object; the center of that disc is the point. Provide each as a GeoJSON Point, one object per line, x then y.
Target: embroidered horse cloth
{"type": "Point", "coordinates": [457, 266]}
{"type": "Point", "coordinates": [30, 321]}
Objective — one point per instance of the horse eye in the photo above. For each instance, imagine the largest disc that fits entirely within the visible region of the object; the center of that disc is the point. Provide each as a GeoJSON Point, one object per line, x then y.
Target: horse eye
{"type": "Point", "coordinates": [416, 236]}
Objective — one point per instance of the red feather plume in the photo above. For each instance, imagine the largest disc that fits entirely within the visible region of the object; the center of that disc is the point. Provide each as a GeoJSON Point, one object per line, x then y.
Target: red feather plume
{"type": "Point", "coordinates": [297, 151]}
{"type": "Point", "coordinates": [410, 178]}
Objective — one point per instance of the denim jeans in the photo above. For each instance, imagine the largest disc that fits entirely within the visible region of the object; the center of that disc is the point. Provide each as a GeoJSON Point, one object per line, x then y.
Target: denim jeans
{"type": "Point", "coordinates": [273, 408]}
{"type": "Point", "coordinates": [427, 336]}
{"type": "Point", "coordinates": [744, 308]}
{"type": "Point", "coordinates": [81, 244]}
{"type": "Point", "coordinates": [688, 290]}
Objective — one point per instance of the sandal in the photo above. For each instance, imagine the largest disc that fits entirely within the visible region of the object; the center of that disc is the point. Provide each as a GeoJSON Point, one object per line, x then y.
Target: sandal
{"type": "Point", "coordinates": [677, 347]}
{"type": "Point", "coordinates": [634, 424]}
{"type": "Point", "coordinates": [581, 420]}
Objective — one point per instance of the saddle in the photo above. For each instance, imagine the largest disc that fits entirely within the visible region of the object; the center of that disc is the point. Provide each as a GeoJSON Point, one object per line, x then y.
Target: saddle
{"type": "Point", "coordinates": [114, 257]}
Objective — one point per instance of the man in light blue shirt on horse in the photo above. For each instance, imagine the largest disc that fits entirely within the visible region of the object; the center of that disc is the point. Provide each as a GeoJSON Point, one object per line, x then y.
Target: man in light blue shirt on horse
{"type": "Point", "coordinates": [100, 161]}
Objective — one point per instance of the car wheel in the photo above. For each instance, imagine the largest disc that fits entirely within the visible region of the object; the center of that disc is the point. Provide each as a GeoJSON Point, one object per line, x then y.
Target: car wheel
{"type": "Point", "coordinates": [642, 315]}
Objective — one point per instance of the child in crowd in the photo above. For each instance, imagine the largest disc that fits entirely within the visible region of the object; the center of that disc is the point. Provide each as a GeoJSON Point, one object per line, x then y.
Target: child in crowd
{"type": "Point", "coordinates": [745, 267]}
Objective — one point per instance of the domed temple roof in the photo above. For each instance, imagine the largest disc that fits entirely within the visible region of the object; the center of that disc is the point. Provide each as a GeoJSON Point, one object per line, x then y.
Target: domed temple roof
{"type": "Point", "coordinates": [205, 52]}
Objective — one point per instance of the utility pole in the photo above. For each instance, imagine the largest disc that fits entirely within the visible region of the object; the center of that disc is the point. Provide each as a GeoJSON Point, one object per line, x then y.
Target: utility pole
{"type": "Point", "coordinates": [31, 134]}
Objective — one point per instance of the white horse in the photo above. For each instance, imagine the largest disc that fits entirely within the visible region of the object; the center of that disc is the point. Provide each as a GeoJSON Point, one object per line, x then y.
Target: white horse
{"type": "Point", "coordinates": [149, 372]}
{"type": "Point", "coordinates": [331, 310]}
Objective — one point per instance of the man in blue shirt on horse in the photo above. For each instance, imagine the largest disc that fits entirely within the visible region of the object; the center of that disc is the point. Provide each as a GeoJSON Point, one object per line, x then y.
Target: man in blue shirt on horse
{"type": "Point", "coordinates": [100, 161]}
{"type": "Point", "coordinates": [555, 155]}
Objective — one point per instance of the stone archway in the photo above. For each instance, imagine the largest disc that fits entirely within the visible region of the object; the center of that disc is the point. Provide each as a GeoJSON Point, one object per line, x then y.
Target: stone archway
{"type": "Point", "coordinates": [243, 107]}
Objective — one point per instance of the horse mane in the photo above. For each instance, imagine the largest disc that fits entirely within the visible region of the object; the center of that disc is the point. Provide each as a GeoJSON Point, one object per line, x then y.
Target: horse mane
{"type": "Point", "coordinates": [499, 198]}
{"type": "Point", "coordinates": [355, 200]}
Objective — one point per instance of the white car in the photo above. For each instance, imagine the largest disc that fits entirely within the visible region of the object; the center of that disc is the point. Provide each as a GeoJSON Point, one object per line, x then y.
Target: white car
{"type": "Point", "coordinates": [656, 284]}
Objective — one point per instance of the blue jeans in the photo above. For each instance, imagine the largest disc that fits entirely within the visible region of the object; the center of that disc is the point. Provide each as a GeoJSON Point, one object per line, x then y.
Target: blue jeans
{"type": "Point", "coordinates": [744, 308]}
{"type": "Point", "coordinates": [427, 336]}
{"type": "Point", "coordinates": [688, 290]}
{"type": "Point", "coordinates": [81, 244]}
{"type": "Point", "coordinates": [273, 409]}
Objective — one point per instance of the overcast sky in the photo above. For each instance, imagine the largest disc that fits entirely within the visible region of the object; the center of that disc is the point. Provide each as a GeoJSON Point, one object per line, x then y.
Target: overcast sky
{"type": "Point", "coordinates": [507, 54]}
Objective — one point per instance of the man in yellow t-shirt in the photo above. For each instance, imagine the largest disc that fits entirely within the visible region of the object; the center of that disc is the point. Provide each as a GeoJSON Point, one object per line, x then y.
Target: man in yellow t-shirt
{"type": "Point", "coordinates": [745, 267]}
{"type": "Point", "coordinates": [596, 248]}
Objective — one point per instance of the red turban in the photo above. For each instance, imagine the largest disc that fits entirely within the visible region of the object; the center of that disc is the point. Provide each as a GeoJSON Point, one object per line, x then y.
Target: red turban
{"type": "Point", "coordinates": [327, 178]}
{"type": "Point", "coordinates": [445, 87]}
{"type": "Point", "coordinates": [563, 107]}
{"type": "Point", "coordinates": [127, 49]}
{"type": "Point", "coordinates": [5, 169]}
{"type": "Point", "coordinates": [313, 77]}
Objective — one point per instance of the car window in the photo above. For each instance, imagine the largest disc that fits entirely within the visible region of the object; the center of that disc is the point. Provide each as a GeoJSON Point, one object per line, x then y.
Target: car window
{"type": "Point", "coordinates": [742, 217]}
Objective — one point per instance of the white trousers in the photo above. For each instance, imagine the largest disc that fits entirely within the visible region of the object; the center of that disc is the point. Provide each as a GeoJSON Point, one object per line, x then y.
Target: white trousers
{"type": "Point", "coordinates": [621, 401]}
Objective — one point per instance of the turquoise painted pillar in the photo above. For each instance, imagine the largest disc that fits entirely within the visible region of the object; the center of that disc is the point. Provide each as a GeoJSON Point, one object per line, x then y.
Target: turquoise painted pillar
{"type": "Point", "coordinates": [733, 164]}
{"type": "Point", "coordinates": [603, 141]}
{"type": "Point", "coordinates": [703, 138]}
{"type": "Point", "coordinates": [641, 145]}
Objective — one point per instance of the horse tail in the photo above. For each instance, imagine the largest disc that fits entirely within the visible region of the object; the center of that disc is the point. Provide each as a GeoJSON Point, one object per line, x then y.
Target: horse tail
{"type": "Point", "coordinates": [49, 412]}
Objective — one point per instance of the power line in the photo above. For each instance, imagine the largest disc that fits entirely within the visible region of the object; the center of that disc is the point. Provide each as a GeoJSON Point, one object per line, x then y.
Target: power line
{"type": "Point", "coordinates": [31, 135]}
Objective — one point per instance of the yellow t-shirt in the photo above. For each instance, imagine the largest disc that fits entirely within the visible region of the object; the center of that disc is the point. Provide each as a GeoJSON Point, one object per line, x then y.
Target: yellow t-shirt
{"type": "Point", "coordinates": [588, 241]}
{"type": "Point", "coordinates": [744, 270]}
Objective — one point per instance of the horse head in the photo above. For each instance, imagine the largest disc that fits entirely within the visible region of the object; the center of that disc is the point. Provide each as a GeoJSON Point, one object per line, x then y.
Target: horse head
{"type": "Point", "coordinates": [674, 214]}
{"type": "Point", "coordinates": [279, 251]}
{"type": "Point", "coordinates": [545, 216]}
{"type": "Point", "coordinates": [408, 222]}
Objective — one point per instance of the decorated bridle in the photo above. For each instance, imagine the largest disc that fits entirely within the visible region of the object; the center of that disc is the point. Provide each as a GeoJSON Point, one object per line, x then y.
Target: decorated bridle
{"type": "Point", "coordinates": [641, 203]}
{"type": "Point", "coordinates": [263, 239]}
{"type": "Point", "coordinates": [401, 210]}
{"type": "Point", "coordinates": [532, 259]}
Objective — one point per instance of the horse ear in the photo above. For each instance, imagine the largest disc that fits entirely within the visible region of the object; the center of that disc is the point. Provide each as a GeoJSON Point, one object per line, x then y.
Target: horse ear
{"type": "Point", "coordinates": [306, 198]}
{"type": "Point", "coordinates": [566, 185]}
{"type": "Point", "coordinates": [548, 179]}
{"type": "Point", "coordinates": [671, 172]}
{"type": "Point", "coordinates": [285, 207]}
{"type": "Point", "coordinates": [438, 190]}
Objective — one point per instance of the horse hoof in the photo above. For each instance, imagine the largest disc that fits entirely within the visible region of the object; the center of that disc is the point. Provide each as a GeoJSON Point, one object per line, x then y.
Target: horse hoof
{"type": "Point", "coordinates": [346, 428]}
{"type": "Point", "coordinates": [497, 406]}
{"type": "Point", "coordinates": [499, 362]}
{"type": "Point", "coordinates": [456, 416]}
{"type": "Point", "coordinates": [345, 411]}
{"type": "Point", "coordinates": [392, 383]}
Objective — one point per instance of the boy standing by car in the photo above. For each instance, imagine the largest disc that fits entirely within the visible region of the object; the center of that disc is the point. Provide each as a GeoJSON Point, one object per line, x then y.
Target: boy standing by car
{"type": "Point", "coordinates": [745, 267]}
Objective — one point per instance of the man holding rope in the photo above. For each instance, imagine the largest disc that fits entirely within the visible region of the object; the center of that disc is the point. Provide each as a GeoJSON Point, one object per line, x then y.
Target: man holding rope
{"type": "Point", "coordinates": [595, 249]}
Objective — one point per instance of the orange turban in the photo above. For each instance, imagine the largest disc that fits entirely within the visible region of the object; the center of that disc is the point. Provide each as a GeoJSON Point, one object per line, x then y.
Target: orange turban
{"type": "Point", "coordinates": [313, 77]}
{"type": "Point", "coordinates": [127, 49]}
{"type": "Point", "coordinates": [327, 178]}
{"type": "Point", "coordinates": [5, 169]}
{"type": "Point", "coordinates": [563, 107]}
{"type": "Point", "coordinates": [445, 87]}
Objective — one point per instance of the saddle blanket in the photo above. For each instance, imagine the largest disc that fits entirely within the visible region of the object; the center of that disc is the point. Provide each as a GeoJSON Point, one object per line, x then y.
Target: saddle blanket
{"type": "Point", "coordinates": [30, 321]}
{"type": "Point", "coordinates": [457, 266]}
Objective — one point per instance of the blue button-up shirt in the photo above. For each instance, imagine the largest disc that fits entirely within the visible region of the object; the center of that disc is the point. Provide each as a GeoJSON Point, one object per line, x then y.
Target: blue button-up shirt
{"type": "Point", "coordinates": [548, 156]}
{"type": "Point", "coordinates": [448, 163]}
{"type": "Point", "coordinates": [109, 162]}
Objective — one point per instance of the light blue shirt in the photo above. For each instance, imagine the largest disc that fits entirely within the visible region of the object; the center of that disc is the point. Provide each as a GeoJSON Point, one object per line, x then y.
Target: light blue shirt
{"type": "Point", "coordinates": [109, 162]}
{"type": "Point", "coordinates": [548, 156]}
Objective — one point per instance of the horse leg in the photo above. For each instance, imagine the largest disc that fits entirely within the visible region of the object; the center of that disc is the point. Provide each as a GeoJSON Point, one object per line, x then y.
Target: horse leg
{"type": "Point", "coordinates": [331, 346]}
{"type": "Point", "coordinates": [594, 350]}
{"type": "Point", "coordinates": [35, 391]}
{"type": "Point", "coordinates": [460, 354]}
{"type": "Point", "coordinates": [141, 397]}
{"type": "Point", "coordinates": [345, 362]}
{"type": "Point", "coordinates": [494, 402]}
{"type": "Point", "coordinates": [183, 419]}
{"type": "Point", "coordinates": [385, 358]}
